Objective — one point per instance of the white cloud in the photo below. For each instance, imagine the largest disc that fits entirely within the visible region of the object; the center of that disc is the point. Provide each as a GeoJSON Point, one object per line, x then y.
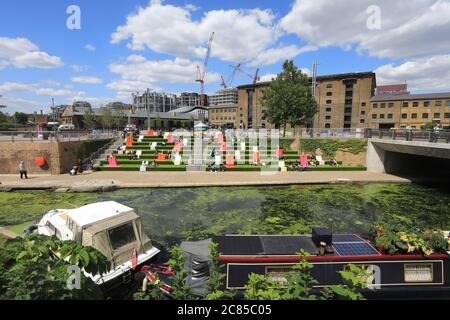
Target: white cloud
{"type": "Point", "coordinates": [414, 29]}
{"type": "Point", "coordinates": [273, 55]}
{"type": "Point", "coordinates": [15, 104]}
{"type": "Point", "coordinates": [90, 47]}
{"type": "Point", "coordinates": [425, 74]}
{"type": "Point", "coordinates": [22, 53]}
{"type": "Point", "coordinates": [137, 74]}
{"type": "Point", "coordinates": [86, 80]}
{"type": "Point", "coordinates": [240, 35]}
{"type": "Point", "coordinates": [192, 8]}
{"type": "Point", "coordinates": [268, 77]}
{"type": "Point", "coordinates": [37, 89]}
{"type": "Point", "coordinates": [78, 68]}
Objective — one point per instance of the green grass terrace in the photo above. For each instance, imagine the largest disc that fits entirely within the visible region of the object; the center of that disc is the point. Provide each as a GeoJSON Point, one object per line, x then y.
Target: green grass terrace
{"type": "Point", "coordinates": [132, 163]}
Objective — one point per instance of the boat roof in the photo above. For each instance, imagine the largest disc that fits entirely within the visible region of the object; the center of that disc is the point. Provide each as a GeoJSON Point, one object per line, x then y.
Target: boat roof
{"type": "Point", "coordinates": [269, 245]}
{"type": "Point", "coordinates": [263, 245]}
{"type": "Point", "coordinates": [96, 212]}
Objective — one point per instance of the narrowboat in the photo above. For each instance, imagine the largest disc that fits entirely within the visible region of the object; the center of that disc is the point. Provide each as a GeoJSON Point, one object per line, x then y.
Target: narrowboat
{"type": "Point", "coordinates": [397, 276]}
{"type": "Point", "coordinates": [110, 227]}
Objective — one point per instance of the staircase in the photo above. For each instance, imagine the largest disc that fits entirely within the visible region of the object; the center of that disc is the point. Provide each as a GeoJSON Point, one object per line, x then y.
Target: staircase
{"type": "Point", "coordinates": [196, 160]}
{"type": "Point", "coordinates": [102, 153]}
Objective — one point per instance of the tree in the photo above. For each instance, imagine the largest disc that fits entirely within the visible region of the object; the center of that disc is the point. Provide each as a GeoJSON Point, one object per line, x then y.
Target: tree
{"type": "Point", "coordinates": [106, 118]}
{"type": "Point", "coordinates": [36, 268]}
{"type": "Point", "coordinates": [289, 99]}
{"type": "Point", "coordinates": [21, 118]}
{"type": "Point", "coordinates": [90, 120]}
{"type": "Point", "coordinates": [119, 118]}
{"type": "Point", "coordinates": [216, 277]}
{"type": "Point", "coordinates": [3, 117]}
{"type": "Point", "coordinates": [299, 284]}
{"type": "Point", "coordinates": [181, 290]}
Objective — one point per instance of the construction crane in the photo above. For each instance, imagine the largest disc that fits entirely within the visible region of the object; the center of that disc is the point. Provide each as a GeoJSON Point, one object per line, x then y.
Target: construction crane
{"type": "Point", "coordinates": [222, 83]}
{"type": "Point", "coordinates": [231, 78]}
{"type": "Point", "coordinates": [201, 73]}
{"type": "Point", "coordinates": [255, 78]}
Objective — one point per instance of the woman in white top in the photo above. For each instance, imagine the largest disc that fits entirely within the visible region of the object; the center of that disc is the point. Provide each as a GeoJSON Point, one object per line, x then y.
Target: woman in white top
{"type": "Point", "coordinates": [22, 170]}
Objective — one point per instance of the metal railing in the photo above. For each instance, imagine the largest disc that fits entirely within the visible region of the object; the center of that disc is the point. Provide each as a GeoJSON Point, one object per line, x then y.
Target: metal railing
{"type": "Point", "coordinates": [54, 136]}
{"type": "Point", "coordinates": [409, 135]}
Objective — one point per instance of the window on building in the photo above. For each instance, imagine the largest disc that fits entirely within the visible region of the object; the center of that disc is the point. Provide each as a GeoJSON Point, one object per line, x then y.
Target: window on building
{"type": "Point", "coordinates": [328, 109]}
{"type": "Point", "coordinates": [404, 116]}
{"type": "Point", "coordinates": [362, 121]}
{"type": "Point", "coordinates": [414, 116]}
{"type": "Point", "coordinates": [390, 105]}
{"type": "Point", "coordinates": [415, 104]}
{"type": "Point", "coordinates": [327, 125]}
{"type": "Point", "coordinates": [390, 116]}
{"type": "Point", "coordinates": [424, 115]}
{"type": "Point", "coordinates": [447, 103]}
{"type": "Point", "coordinates": [347, 118]}
{"type": "Point", "coordinates": [437, 116]}
{"type": "Point", "coordinates": [437, 103]}
{"type": "Point", "coordinates": [348, 110]}
{"type": "Point", "coordinates": [382, 116]}
{"type": "Point", "coordinates": [363, 104]}
{"type": "Point", "coordinates": [329, 101]}
{"type": "Point", "coordinates": [383, 105]}
{"type": "Point", "coordinates": [374, 116]}
{"type": "Point", "coordinates": [330, 85]}
{"type": "Point", "coordinates": [375, 105]}
{"type": "Point", "coordinates": [348, 101]}
{"type": "Point", "coordinates": [426, 104]}
{"type": "Point", "coordinates": [328, 118]}
{"type": "Point", "coordinates": [447, 115]}
{"type": "Point", "coordinates": [329, 94]}
{"type": "Point", "coordinates": [363, 113]}
{"type": "Point", "coordinates": [405, 104]}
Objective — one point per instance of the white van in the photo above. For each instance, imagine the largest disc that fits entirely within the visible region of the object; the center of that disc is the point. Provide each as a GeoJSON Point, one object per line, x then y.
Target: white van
{"type": "Point", "coordinates": [66, 127]}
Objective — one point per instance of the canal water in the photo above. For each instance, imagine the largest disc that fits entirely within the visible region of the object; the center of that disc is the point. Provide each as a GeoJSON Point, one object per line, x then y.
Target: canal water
{"type": "Point", "coordinates": [173, 215]}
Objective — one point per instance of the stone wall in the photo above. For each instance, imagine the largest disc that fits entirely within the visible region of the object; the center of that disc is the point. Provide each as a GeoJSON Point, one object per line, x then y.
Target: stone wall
{"type": "Point", "coordinates": [60, 157]}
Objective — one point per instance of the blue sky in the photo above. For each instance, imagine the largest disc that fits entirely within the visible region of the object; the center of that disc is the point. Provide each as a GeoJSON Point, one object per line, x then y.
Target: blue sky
{"type": "Point", "coordinates": [161, 43]}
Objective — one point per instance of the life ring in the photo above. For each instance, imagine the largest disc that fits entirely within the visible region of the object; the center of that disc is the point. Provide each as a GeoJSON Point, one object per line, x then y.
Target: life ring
{"type": "Point", "coordinates": [40, 161]}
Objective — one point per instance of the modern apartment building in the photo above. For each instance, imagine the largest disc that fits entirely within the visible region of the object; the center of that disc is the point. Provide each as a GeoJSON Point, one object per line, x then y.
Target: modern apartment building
{"type": "Point", "coordinates": [399, 111]}
{"type": "Point", "coordinates": [155, 101]}
{"type": "Point", "coordinates": [224, 97]}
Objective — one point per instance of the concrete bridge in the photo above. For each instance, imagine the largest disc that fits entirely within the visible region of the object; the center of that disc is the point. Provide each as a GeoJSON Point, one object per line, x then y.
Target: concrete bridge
{"type": "Point", "coordinates": [414, 158]}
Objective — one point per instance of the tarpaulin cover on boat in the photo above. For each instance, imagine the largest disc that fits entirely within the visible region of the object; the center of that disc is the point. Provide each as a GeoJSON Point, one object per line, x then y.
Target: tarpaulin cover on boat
{"type": "Point", "coordinates": [117, 237]}
{"type": "Point", "coordinates": [197, 264]}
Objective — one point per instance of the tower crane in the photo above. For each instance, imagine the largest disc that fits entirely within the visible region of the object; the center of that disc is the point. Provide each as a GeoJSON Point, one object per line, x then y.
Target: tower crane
{"type": "Point", "coordinates": [255, 78]}
{"type": "Point", "coordinates": [201, 73]}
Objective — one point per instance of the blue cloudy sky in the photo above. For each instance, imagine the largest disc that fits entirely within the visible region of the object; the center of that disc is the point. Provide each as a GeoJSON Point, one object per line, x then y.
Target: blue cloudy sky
{"type": "Point", "coordinates": [127, 46]}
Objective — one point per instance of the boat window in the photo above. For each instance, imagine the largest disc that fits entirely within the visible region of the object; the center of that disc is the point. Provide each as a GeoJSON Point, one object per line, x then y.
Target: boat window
{"type": "Point", "coordinates": [122, 236]}
{"type": "Point", "coordinates": [418, 273]}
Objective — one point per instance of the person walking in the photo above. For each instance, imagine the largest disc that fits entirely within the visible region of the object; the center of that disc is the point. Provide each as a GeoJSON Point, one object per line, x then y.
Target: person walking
{"type": "Point", "coordinates": [436, 131]}
{"type": "Point", "coordinates": [22, 170]}
{"type": "Point", "coordinates": [408, 132]}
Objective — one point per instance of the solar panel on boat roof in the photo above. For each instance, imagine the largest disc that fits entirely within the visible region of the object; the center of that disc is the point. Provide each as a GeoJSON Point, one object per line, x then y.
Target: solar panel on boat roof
{"type": "Point", "coordinates": [355, 249]}
{"type": "Point", "coordinates": [346, 238]}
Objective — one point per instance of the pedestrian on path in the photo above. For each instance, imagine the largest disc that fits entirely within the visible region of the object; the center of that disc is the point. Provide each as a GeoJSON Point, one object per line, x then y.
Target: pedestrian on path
{"type": "Point", "coordinates": [22, 170]}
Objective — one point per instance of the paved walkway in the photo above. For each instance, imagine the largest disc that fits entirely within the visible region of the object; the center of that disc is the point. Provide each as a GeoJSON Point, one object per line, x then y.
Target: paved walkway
{"type": "Point", "coordinates": [7, 233]}
{"type": "Point", "coordinates": [104, 181]}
